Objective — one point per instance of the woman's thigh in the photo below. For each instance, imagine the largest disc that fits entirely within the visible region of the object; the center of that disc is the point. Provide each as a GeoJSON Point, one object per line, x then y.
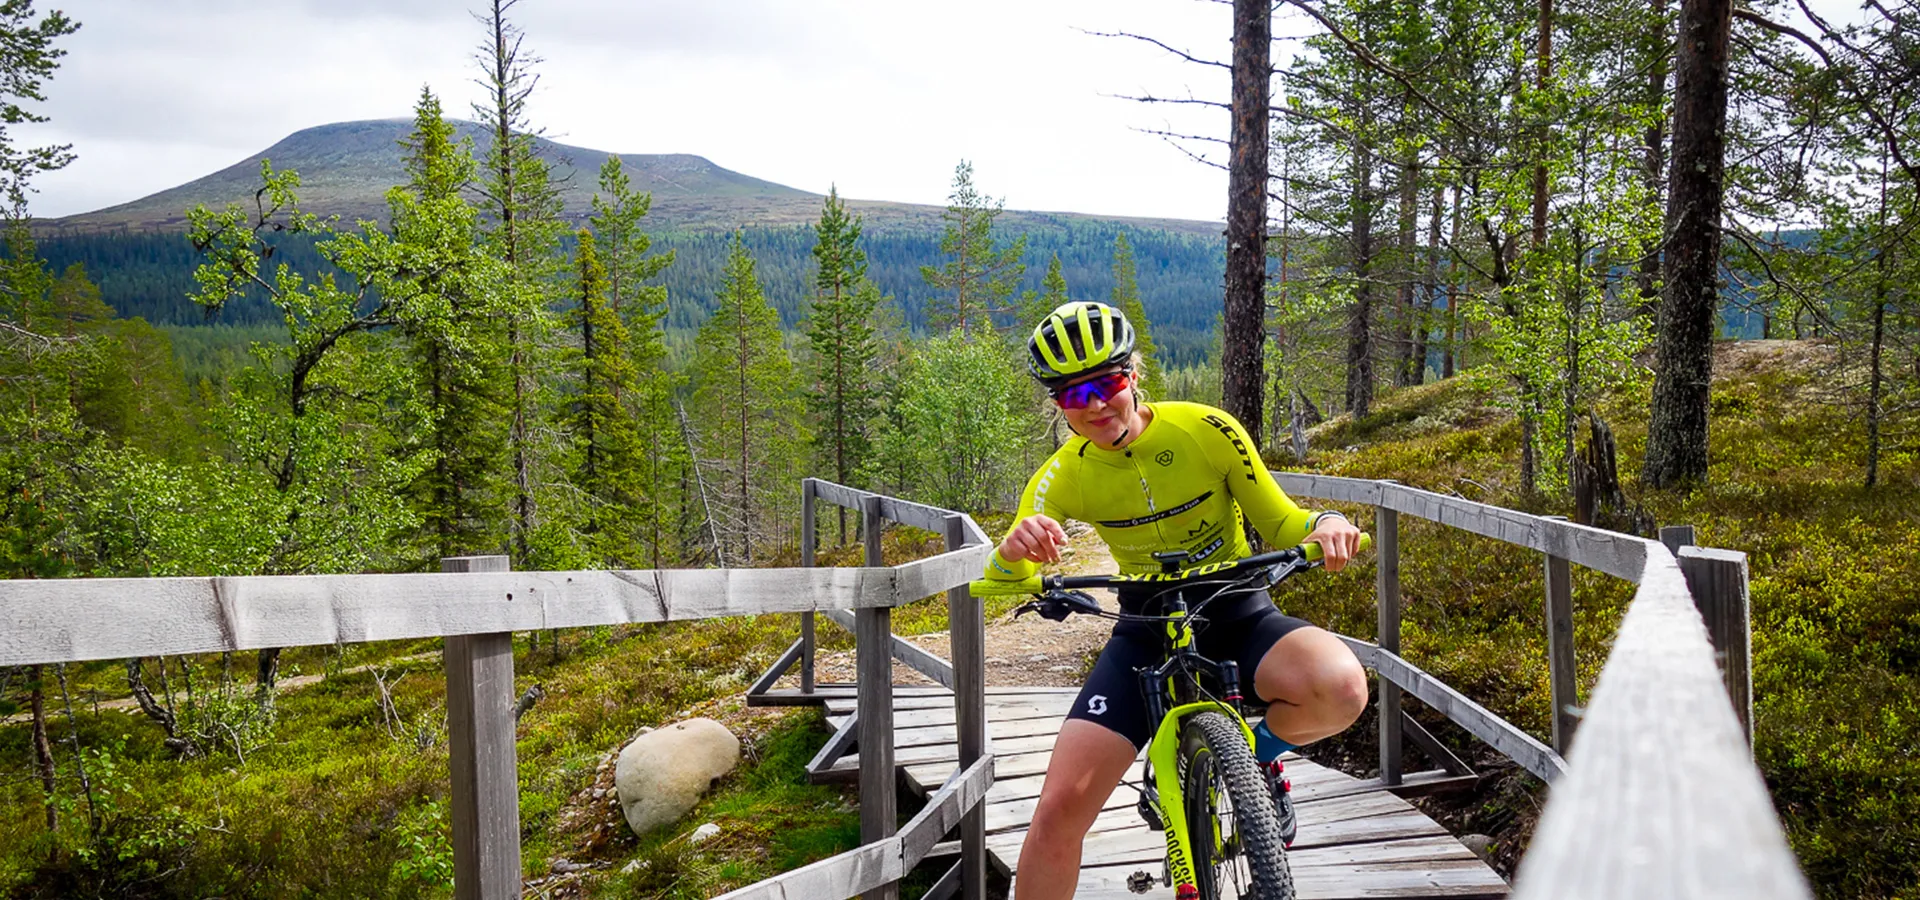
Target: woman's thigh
{"type": "Point", "coordinates": [1087, 764]}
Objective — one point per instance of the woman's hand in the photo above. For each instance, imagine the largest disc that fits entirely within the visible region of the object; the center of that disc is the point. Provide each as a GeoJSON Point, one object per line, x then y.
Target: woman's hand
{"type": "Point", "coordinates": [1339, 540]}
{"type": "Point", "coordinates": [1036, 538]}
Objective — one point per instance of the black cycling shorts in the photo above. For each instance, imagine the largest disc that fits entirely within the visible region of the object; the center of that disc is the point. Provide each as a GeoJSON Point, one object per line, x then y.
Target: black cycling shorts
{"type": "Point", "coordinates": [1111, 697]}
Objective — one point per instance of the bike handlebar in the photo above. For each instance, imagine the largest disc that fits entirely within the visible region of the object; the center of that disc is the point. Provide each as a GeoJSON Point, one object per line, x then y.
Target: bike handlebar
{"type": "Point", "coordinates": [1041, 584]}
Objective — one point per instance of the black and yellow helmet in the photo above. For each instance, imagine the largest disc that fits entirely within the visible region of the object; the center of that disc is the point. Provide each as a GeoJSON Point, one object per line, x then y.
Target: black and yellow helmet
{"type": "Point", "coordinates": [1077, 338]}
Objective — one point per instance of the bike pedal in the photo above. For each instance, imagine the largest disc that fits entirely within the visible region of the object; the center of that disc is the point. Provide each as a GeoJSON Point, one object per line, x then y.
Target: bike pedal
{"type": "Point", "coordinates": [1140, 882]}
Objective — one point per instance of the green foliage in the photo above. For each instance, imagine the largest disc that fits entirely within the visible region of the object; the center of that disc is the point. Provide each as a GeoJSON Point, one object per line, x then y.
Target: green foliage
{"type": "Point", "coordinates": [963, 412]}
{"type": "Point", "coordinates": [1126, 298]}
{"type": "Point", "coordinates": [843, 397]}
{"type": "Point", "coordinates": [608, 448]}
{"type": "Point", "coordinates": [29, 59]}
{"type": "Point", "coordinates": [749, 411]}
{"type": "Point", "coordinates": [978, 279]}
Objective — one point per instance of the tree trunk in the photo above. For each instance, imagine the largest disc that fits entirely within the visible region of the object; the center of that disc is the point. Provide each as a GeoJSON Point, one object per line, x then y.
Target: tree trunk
{"type": "Point", "coordinates": [1683, 364]}
{"type": "Point", "coordinates": [1875, 355]}
{"type": "Point", "coordinates": [1243, 341]}
{"type": "Point", "coordinates": [1429, 293]}
{"type": "Point", "coordinates": [1451, 361]}
{"type": "Point", "coordinates": [1360, 316]}
{"type": "Point", "coordinates": [42, 748]}
{"type": "Point", "coordinates": [1405, 310]}
{"type": "Point", "coordinates": [1543, 78]}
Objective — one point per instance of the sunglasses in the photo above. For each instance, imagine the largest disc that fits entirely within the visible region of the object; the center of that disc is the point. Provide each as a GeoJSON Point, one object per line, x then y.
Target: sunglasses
{"type": "Point", "coordinates": [1105, 387]}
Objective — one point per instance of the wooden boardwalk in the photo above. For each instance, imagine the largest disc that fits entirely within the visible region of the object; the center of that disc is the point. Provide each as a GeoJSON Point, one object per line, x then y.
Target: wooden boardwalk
{"type": "Point", "coordinates": [1356, 840]}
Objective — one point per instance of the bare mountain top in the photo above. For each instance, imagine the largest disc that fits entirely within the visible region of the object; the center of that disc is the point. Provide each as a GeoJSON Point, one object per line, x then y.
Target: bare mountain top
{"type": "Point", "coordinates": [346, 169]}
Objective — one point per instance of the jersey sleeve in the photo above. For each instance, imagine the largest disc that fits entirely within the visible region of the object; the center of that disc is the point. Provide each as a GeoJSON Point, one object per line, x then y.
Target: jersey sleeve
{"type": "Point", "coordinates": [1043, 494]}
{"type": "Point", "coordinates": [1278, 519]}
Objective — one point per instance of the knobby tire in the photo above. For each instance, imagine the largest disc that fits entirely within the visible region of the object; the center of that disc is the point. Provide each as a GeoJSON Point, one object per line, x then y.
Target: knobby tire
{"type": "Point", "coordinates": [1214, 757]}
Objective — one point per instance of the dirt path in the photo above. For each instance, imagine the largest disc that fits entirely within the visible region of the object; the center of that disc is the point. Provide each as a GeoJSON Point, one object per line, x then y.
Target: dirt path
{"type": "Point", "coordinates": [1025, 651]}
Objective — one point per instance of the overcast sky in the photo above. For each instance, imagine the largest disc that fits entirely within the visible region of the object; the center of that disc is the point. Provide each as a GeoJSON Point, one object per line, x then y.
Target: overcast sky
{"type": "Point", "coordinates": [882, 97]}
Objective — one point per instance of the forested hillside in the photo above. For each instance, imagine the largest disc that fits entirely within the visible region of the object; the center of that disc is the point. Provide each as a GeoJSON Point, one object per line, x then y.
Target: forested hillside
{"type": "Point", "coordinates": [149, 274]}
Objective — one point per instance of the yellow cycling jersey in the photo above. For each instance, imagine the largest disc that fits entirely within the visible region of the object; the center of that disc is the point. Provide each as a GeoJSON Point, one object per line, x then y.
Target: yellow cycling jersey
{"type": "Point", "coordinates": [1183, 484]}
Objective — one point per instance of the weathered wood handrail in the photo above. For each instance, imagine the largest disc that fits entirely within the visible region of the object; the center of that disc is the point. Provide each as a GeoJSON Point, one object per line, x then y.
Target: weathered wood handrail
{"type": "Point", "coordinates": [1660, 796]}
{"type": "Point", "coordinates": [476, 604]}
{"type": "Point", "coordinates": [875, 649]}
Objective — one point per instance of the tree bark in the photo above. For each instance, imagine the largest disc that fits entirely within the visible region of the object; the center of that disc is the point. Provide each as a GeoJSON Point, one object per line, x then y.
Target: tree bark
{"type": "Point", "coordinates": [1360, 315]}
{"type": "Point", "coordinates": [1242, 345]}
{"type": "Point", "coordinates": [1448, 364]}
{"type": "Point", "coordinates": [1542, 79]}
{"type": "Point", "coordinates": [1655, 160]}
{"type": "Point", "coordinates": [1407, 313]}
{"type": "Point", "coordinates": [1683, 364]}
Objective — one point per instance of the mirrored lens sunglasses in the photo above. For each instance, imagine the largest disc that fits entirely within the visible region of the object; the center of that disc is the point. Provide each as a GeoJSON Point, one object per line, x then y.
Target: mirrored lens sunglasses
{"type": "Point", "coordinates": [1105, 387]}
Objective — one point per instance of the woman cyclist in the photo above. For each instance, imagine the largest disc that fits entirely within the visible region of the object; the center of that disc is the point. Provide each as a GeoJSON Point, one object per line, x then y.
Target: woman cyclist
{"type": "Point", "coordinates": [1154, 477]}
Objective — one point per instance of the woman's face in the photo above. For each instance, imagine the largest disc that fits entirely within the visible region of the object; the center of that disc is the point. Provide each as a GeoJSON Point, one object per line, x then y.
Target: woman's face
{"type": "Point", "coordinates": [1106, 421]}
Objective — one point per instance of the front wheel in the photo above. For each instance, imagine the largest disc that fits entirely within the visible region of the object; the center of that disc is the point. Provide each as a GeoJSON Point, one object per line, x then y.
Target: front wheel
{"type": "Point", "coordinates": [1237, 853]}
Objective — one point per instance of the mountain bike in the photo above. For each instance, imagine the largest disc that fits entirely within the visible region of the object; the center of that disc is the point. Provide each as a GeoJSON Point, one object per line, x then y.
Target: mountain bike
{"type": "Point", "coordinates": [1202, 787]}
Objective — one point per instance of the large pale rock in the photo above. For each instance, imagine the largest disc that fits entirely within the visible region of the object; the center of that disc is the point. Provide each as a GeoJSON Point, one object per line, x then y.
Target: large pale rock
{"type": "Point", "coordinates": [661, 775]}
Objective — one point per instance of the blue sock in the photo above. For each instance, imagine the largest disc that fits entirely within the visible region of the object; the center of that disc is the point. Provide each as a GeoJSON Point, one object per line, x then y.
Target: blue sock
{"type": "Point", "coordinates": [1266, 746]}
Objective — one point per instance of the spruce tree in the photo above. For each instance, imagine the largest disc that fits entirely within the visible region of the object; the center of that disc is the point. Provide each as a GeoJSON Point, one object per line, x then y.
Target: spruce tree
{"type": "Point", "coordinates": [522, 207]}
{"type": "Point", "coordinates": [606, 444]}
{"type": "Point", "coordinates": [978, 279]}
{"type": "Point", "coordinates": [748, 410]}
{"type": "Point", "coordinates": [843, 398]}
{"type": "Point", "coordinates": [457, 351]}
{"type": "Point", "coordinates": [1126, 298]}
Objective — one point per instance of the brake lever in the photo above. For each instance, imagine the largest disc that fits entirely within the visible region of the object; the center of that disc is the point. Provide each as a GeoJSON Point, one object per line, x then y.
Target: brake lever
{"type": "Point", "coordinates": [1058, 605]}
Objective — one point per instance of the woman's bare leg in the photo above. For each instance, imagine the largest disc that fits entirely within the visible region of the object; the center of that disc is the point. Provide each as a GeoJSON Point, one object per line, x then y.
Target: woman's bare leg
{"type": "Point", "coordinates": [1314, 685]}
{"type": "Point", "coordinates": [1088, 762]}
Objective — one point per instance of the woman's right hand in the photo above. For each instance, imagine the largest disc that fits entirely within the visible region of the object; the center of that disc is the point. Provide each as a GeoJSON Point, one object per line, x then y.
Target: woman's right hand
{"type": "Point", "coordinates": [1037, 538]}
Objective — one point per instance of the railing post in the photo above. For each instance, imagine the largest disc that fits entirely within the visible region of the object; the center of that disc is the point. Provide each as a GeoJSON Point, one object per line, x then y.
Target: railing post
{"type": "Point", "coordinates": [873, 660]}
{"type": "Point", "coordinates": [808, 547]}
{"type": "Point", "coordinates": [1675, 537]}
{"type": "Point", "coordinates": [485, 802]}
{"type": "Point", "coordinates": [1717, 579]}
{"type": "Point", "coordinates": [966, 623]}
{"type": "Point", "coordinates": [1560, 660]}
{"type": "Point", "coordinates": [1386, 544]}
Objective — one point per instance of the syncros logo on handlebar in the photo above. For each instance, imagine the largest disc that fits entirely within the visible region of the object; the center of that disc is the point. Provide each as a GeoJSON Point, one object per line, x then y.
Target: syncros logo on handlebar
{"type": "Point", "coordinates": [1181, 575]}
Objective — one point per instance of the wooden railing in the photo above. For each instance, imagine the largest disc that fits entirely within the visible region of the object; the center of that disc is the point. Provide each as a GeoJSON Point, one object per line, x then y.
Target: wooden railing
{"type": "Point", "coordinates": [1659, 797]}
{"type": "Point", "coordinates": [476, 603]}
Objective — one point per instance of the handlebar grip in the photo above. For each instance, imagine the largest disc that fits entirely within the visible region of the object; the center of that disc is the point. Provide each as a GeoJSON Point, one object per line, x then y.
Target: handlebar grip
{"type": "Point", "coordinates": [1313, 550]}
{"type": "Point", "coordinates": [993, 587]}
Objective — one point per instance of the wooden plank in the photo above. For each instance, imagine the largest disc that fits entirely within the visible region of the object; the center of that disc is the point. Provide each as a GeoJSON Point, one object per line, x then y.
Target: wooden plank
{"type": "Point", "coordinates": [1560, 664]}
{"type": "Point", "coordinates": [485, 798]}
{"type": "Point", "coordinates": [1386, 542]}
{"type": "Point", "coordinates": [779, 668]}
{"type": "Point", "coordinates": [1518, 746]}
{"type": "Point", "coordinates": [1432, 747]}
{"type": "Point", "coordinates": [1717, 579]}
{"type": "Point", "coordinates": [843, 737]}
{"type": "Point", "coordinates": [966, 623]}
{"type": "Point", "coordinates": [892, 509]}
{"type": "Point", "coordinates": [849, 874]}
{"type": "Point", "coordinates": [949, 753]}
{"type": "Point", "coordinates": [919, 718]}
{"type": "Point", "coordinates": [1663, 799]}
{"type": "Point", "coordinates": [995, 700]}
{"type": "Point", "coordinates": [905, 651]}
{"type": "Point", "coordinates": [944, 811]}
{"type": "Point", "coordinates": [1126, 816]}
{"type": "Point", "coordinates": [809, 558]}
{"type": "Point", "coordinates": [924, 578]}
{"type": "Point", "coordinates": [1140, 845]}
{"type": "Point", "coordinates": [1451, 878]}
{"type": "Point", "coordinates": [77, 619]}
{"type": "Point", "coordinates": [1622, 556]}
{"type": "Point", "coordinates": [873, 663]}
{"type": "Point", "coordinates": [1673, 537]}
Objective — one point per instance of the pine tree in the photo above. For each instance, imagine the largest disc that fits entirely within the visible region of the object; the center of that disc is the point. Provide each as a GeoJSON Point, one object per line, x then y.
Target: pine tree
{"type": "Point", "coordinates": [977, 280]}
{"type": "Point", "coordinates": [747, 407]}
{"type": "Point", "coordinates": [1126, 298]}
{"type": "Point", "coordinates": [843, 398]}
